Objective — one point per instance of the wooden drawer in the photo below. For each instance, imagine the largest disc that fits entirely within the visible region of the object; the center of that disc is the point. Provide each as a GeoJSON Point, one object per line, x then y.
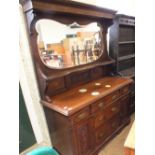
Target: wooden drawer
{"type": "Point", "coordinates": [112, 97]}
{"type": "Point", "coordinates": [81, 115]}
{"type": "Point", "coordinates": [99, 119]}
{"type": "Point", "coordinates": [125, 90]}
{"type": "Point", "coordinates": [55, 86]}
{"type": "Point", "coordinates": [101, 104]}
{"type": "Point", "coordinates": [112, 110]}
{"type": "Point", "coordinates": [101, 135]}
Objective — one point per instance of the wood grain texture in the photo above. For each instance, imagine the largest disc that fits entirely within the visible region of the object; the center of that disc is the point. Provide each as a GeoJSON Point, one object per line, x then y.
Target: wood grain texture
{"type": "Point", "coordinates": [85, 131]}
{"type": "Point", "coordinates": [70, 7]}
{"type": "Point", "coordinates": [71, 101]}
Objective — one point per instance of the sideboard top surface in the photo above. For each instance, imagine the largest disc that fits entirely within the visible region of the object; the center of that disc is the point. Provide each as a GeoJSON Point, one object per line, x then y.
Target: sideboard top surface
{"type": "Point", "coordinates": [72, 101]}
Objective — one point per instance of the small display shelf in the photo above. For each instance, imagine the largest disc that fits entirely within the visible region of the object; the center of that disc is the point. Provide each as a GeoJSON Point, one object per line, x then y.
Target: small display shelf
{"type": "Point", "coordinates": [126, 57]}
{"type": "Point", "coordinates": [128, 72]}
{"type": "Point", "coordinates": [122, 48]}
{"type": "Point", "coordinates": [126, 42]}
{"type": "Point", "coordinates": [122, 44]}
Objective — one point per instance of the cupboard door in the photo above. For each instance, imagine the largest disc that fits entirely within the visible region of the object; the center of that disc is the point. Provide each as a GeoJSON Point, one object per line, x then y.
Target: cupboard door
{"type": "Point", "coordinates": [101, 134]}
{"type": "Point", "coordinates": [83, 138]}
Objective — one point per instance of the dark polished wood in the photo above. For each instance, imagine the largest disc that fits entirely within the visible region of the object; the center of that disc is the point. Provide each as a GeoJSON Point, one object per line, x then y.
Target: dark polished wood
{"type": "Point", "coordinates": [66, 6]}
{"type": "Point", "coordinates": [79, 123]}
{"type": "Point", "coordinates": [68, 103]}
{"type": "Point", "coordinates": [67, 12]}
{"type": "Point", "coordinates": [122, 43]}
{"type": "Point", "coordinates": [122, 48]}
{"type": "Point", "coordinates": [90, 120]}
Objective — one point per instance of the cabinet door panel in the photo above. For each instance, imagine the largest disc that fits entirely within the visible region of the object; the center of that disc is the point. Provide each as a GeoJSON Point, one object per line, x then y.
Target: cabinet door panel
{"type": "Point", "coordinates": [101, 135]}
{"type": "Point", "coordinates": [99, 119]}
{"type": "Point", "coordinates": [83, 138]}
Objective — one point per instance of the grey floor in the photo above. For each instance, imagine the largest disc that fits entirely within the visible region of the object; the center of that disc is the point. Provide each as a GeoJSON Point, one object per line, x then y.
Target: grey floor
{"type": "Point", "coordinates": [116, 145]}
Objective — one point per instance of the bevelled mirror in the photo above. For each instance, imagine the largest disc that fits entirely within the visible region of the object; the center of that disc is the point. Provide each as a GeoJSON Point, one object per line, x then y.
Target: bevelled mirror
{"type": "Point", "coordinates": [63, 46]}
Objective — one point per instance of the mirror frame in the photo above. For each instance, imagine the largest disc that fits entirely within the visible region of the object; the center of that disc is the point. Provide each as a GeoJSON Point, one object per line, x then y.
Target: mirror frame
{"type": "Point", "coordinates": [68, 67]}
{"type": "Point", "coordinates": [54, 81]}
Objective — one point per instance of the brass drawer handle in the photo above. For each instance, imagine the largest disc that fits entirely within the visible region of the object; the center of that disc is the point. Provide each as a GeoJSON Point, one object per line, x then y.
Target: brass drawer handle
{"type": "Point", "coordinates": [114, 97]}
{"type": "Point", "coordinates": [125, 90]}
{"type": "Point", "coordinates": [100, 118]}
{"type": "Point", "coordinates": [101, 135]}
{"type": "Point", "coordinates": [113, 124]}
{"type": "Point", "coordinates": [100, 105]}
{"type": "Point", "coordinates": [114, 109]}
{"type": "Point", "coordinates": [82, 116]}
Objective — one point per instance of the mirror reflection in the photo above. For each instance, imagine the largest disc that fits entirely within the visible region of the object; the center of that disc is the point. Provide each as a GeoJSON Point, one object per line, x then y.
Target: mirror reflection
{"type": "Point", "coordinates": [62, 46]}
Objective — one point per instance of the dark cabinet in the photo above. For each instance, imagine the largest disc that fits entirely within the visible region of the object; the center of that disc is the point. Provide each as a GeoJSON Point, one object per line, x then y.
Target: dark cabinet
{"type": "Point", "coordinates": [122, 44]}
{"type": "Point", "coordinates": [122, 48]}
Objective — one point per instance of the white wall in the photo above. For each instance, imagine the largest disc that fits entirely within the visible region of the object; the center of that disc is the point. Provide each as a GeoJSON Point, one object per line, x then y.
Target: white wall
{"type": "Point", "coordinates": [93, 2]}
{"type": "Point", "coordinates": [29, 86]}
{"type": "Point", "coordinates": [122, 6]}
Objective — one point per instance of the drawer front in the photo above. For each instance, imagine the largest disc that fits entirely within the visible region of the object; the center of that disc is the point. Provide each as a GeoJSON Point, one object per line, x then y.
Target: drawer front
{"type": "Point", "coordinates": [55, 86]}
{"type": "Point", "coordinates": [112, 110]}
{"type": "Point", "coordinates": [101, 104]}
{"type": "Point", "coordinates": [80, 116]}
{"type": "Point", "coordinates": [112, 97]}
{"type": "Point", "coordinates": [101, 135]}
{"type": "Point", "coordinates": [99, 119]}
{"type": "Point", "coordinates": [125, 90]}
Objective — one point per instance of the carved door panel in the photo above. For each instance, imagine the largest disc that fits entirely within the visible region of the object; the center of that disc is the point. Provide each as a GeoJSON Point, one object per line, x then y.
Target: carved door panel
{"type": "Point", "coordinates": [83, 138]}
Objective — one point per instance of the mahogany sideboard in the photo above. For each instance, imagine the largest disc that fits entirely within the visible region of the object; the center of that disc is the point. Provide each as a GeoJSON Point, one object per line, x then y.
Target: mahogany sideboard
{"type": "Point", "coordinates": [80, 123]}
{"type": "Point", "coordinates": [85, 104]}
